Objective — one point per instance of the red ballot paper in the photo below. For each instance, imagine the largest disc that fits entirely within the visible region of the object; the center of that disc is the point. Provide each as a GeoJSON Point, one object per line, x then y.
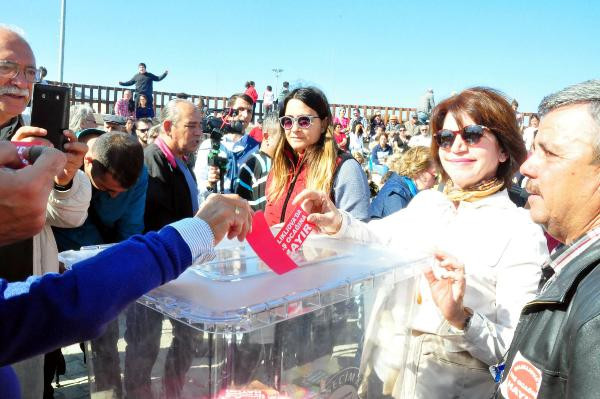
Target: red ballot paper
{"type": "Point", "coordinates": [274, 252]}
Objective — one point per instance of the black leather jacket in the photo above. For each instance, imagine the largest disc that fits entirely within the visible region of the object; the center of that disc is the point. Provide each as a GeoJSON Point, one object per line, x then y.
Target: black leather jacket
{"type": "Point", "coordinates": [559, 331]}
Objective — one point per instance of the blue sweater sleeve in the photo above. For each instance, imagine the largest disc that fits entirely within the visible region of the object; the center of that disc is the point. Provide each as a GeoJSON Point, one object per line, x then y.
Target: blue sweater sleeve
{"type": "Point", "coordinates": [55, 310]}
{"type": "Point", "coordinates": [132, 220]}
{"type": "Point", "coordinates": [351, 190]}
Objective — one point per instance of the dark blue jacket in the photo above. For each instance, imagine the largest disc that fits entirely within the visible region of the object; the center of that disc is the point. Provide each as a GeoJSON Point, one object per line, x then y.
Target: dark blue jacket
{"type": "Point", "coordinates": [395, 194]}
{"type": "Point", "coordinates": [55, 310]}
{"type": "Point", "coordinates": [377, 149]}
{"type": "Point", "coordinates": [143, 83]}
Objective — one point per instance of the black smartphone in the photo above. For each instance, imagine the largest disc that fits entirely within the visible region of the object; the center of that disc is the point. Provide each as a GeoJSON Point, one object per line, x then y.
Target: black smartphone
{"type": "Point", "coordinates": [50, 111]}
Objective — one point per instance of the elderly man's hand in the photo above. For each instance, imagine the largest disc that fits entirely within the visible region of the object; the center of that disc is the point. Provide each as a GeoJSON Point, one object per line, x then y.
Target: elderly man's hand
{"type": "Point", "coordinates": [24, 192]}
{"type": "Point", "coordinates": [75, 152]}
{"type": "Point", "coordinates": [227, 215]}
{"type": "Point", "coordinates": [322, 212]}
{"type": "Point", "coordinates": [30, 133]}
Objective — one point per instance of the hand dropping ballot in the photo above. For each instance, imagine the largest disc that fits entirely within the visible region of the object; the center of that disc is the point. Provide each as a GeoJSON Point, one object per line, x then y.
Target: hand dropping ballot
{"type": "Point", "coordinates": [276, 251]}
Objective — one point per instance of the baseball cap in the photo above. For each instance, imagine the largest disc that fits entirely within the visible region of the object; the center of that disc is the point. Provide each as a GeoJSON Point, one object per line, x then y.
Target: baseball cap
{"type": "Point", "coordinates": [89, 132]}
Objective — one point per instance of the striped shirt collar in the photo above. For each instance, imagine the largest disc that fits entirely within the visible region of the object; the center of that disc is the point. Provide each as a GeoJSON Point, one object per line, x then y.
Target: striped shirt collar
{"type": "Point", "coordinates": [566, 253]}
{"type": "Point", "coordinates": [560, 258]}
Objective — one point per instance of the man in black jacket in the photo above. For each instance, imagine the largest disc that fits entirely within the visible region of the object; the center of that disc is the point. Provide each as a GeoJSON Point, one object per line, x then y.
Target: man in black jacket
{"type": "Point", "coordinates": [172, 194]}
{"type": "Point", "coordinates": [555, 352]}
{"type": "Point", "coordinates": [143, 83]}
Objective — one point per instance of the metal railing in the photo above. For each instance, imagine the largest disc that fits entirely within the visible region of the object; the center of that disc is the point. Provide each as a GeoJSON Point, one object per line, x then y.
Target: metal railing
{"type": "Point", "coordinates": [103, 99]}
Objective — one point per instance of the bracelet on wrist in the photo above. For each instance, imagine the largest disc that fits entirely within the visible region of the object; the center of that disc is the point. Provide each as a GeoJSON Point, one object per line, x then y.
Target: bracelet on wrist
{"type": "Point", "coordinates": [66, 187]}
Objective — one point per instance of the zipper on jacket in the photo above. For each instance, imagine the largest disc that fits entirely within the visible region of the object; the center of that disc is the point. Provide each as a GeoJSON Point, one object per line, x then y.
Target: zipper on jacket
{"type": "Point", "coordinates": [290, 190]}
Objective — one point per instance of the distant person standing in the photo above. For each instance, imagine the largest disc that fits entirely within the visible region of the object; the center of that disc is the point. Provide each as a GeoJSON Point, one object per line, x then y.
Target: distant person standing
{"type": "Point", "coordinates": [143, 82]}
{"type": "Point", "coordinates": [268, 98]}
{"type": "Point", "coordinates": [43, 73]}
{"type": "Point", "coordinates": [519, 116]}
{"type": "Point", "coordinates": [284, 92]}
{"type": "Point", "coordinates": [253, 94]}
{"type": "Point", "coordinates": [425, 107]}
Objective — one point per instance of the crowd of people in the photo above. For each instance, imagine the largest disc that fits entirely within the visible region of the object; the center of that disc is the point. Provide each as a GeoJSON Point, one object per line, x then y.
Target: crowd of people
{"type": "Point", "coordinates": [500, 298]}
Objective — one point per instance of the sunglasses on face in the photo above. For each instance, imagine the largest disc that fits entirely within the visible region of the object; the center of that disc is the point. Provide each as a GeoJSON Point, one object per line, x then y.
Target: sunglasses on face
{"type": "Point", "coordinates": [304, 121]}
{"type": "Point", "coordinates": [471, 135]}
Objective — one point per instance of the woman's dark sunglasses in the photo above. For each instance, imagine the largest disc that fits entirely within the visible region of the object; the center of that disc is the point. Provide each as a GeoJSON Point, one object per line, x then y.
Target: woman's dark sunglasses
{"type": "Point", "coordinates": [471, 135]}
{"type": "Point", "coordinates": [304, 121]}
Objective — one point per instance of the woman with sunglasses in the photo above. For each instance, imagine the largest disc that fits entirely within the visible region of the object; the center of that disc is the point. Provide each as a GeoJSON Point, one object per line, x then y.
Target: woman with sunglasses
{"type": "Point", "coordinates": [307, 157]}
{"type": "Point", "coordinates": [465, 313]}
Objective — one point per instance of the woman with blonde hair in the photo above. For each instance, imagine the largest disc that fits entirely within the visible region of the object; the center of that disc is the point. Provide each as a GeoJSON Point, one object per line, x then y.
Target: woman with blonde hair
{"type": "Point", "coordinates": [307, 157]}
{"type": "Point", "coordinates": [410, 173]}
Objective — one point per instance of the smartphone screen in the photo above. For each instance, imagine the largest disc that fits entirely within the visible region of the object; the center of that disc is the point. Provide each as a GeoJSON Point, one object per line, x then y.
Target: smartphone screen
{"type": "Point", "coordinates": [50, 111]}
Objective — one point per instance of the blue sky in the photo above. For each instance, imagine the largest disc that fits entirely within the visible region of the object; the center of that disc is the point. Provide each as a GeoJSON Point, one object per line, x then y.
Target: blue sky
{"type": "Point", "coordinates": [366, 52]}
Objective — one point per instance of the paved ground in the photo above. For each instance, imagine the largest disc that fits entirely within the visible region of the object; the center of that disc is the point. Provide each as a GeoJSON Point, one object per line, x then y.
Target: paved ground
{"type": "Point", "coordinates": [73, 385]}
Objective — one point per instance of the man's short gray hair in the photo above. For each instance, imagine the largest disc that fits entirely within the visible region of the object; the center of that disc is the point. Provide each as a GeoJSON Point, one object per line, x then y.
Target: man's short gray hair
{"type": "Point", "coordinates": [587, 92]}
{"type": "Point", "coordinates": [77, 114]}
{"type": "Point", "coordinates": [170, 111]}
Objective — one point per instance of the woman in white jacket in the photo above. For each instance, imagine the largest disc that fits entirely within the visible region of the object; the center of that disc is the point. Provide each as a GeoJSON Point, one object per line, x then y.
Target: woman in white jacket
{"type": "Point", "coordinates": [458, 331]}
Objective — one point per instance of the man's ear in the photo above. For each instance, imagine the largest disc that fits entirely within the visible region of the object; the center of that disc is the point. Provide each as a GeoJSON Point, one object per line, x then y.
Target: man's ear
{"type": "Point", "coordinates": [87, 160]}
{"type": "Point", "coordinates": [167, 125]}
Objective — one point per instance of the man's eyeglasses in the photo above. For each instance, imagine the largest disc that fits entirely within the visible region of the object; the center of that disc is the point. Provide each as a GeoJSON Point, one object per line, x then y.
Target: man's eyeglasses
{"type": "Point", "coordinates": [142, 130]}
{"type": "Point", "coordinates": [304, 121]}
{"type": "Point", "coordinates": [471, 135]}
{"type": "Point", "coordinates": [10, 70]}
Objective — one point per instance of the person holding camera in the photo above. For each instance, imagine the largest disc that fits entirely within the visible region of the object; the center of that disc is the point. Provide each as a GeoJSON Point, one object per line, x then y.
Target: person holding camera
{"type": "Point", "coordinates": [46, 312]}
{"type": "Point", "coordinates": [69, 198]}
{"type": "Point", "coordinates": [234, 149]}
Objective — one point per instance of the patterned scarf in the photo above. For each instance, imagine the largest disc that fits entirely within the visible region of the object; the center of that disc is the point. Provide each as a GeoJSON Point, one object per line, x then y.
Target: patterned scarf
{"type": "Point", "coordinates": [474, 193]}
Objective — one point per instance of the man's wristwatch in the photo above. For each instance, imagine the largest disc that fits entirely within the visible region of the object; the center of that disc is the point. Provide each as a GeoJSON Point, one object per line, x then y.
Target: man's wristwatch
{"type": "Point", "coordinates": [66, 187]}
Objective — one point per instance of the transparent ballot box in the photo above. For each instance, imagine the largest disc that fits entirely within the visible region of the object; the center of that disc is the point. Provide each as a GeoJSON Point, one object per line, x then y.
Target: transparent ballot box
{"type": "Point", "coordinates": [232, 328]}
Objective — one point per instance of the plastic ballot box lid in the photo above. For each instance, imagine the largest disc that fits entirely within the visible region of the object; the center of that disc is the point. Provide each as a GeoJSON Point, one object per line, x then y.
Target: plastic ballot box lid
{"type": "Point", "coordinates": [237, 292]}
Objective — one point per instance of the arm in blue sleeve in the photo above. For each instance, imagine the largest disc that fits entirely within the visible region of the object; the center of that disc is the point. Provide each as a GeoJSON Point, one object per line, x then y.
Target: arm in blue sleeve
{"type": "Point", "coordinates": [374, 158]}
{"type": "Point", "coordinates": [132, 221]}
{"type": "Point", "coordinates": [53, 310]}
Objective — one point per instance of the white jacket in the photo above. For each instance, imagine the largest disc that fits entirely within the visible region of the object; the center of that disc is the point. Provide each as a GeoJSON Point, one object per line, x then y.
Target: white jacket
{"type": "Point", "coordinates": [502, 250]}
{"type": "Point", "coordinates": [64, 209]}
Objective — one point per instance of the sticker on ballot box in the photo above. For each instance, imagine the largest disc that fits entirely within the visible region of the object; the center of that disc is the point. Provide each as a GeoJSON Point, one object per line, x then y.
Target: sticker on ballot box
{"type": "Point", "coordinates": [275, 252]}
{"type": "Point", "coordinates": [523, 380]}
{"type": "Point", "coordinates": [293, 234]}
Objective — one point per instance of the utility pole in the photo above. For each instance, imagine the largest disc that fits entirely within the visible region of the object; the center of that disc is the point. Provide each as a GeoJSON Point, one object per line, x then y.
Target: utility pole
{"type": "Point", "coordinates": [277, 72]}
{"type": "Point", "coordinates": [61, 49]}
